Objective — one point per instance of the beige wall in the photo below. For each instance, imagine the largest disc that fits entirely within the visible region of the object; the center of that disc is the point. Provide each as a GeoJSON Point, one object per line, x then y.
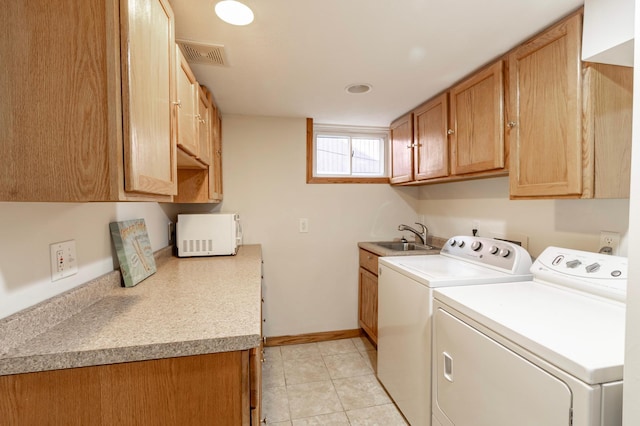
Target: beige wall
{"type": "Point", "coordinates": [310, 279]}
{"type": "Point", "coordinates": [452, 208]}
{"type": "Point", "coordinates": [27, 229]}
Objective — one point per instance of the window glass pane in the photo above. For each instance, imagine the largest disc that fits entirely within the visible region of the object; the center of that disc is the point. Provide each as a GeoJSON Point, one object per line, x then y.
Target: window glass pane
{"type": "Point", "coordinates": [367, 156]}
{"type": "Point", "coordinates": [333, 155]}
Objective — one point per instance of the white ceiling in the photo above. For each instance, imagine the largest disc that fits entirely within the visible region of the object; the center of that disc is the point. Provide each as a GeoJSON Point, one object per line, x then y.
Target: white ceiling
{"type": "Point", "coordinates": [297, 57]}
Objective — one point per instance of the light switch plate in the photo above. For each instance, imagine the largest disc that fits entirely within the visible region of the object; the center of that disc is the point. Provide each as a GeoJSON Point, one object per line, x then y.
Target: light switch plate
{"type": "Point", "coordinates": [63, 260]}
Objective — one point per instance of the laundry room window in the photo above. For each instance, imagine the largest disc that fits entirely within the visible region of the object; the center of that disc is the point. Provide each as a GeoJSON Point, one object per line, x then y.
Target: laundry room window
{"type": "Point", "coordinates": [347, 154]}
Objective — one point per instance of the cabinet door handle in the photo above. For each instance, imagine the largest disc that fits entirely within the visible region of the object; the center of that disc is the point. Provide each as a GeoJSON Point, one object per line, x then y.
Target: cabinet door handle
{"type": "Point", "coordinates": [178, 103]}
{"type": "Point", "coordinates": [450, 132]}
{"type": "Point", "coordinates": [410, 146]}
{"type": "Point", "coordinates": [511, 124]}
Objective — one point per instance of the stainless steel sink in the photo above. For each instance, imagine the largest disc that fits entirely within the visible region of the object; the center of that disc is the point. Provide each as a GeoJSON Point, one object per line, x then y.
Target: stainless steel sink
{"type": "Point", "coordinates": [400, 246]}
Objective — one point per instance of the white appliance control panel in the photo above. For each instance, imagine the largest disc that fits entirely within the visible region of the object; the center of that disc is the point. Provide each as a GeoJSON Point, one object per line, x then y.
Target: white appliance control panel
{"type": "Point", "coordinates": [595, 273]}
{"type": "Point", "coordinates": [496, 254]}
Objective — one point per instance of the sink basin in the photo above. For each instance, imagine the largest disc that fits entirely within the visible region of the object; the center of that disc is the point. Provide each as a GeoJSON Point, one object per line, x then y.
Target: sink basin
{"type": "Point", "coordinates": [399, 246]}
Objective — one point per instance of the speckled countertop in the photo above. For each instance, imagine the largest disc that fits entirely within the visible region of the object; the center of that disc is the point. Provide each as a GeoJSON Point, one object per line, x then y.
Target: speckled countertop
{"type": "Point", "coordinates": [189, 306]}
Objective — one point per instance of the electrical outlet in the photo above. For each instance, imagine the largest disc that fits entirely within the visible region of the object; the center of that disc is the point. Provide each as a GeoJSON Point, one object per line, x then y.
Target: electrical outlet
{"type": "Point", "coordinates": [63, 260]}
{"type": "Point", "coordinates": [303, 225]}
{"type": "Point", "coordinates": [609, 239]}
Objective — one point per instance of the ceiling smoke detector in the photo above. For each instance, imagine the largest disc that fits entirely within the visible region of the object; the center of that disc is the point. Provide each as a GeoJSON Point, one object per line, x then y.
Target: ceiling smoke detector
{"type": "Point", "coordinates": [358, 88]}
{"type": "Point", "coordinates": [209, 54]}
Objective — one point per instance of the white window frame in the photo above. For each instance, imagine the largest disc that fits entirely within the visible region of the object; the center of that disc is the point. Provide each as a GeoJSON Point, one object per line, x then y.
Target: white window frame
{"type": "Point", "coordinates": [351, 132]}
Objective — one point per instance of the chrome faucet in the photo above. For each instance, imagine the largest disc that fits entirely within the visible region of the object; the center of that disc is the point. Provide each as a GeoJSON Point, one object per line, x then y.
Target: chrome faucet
{"type": "Point", "coordinates": [422, 235]}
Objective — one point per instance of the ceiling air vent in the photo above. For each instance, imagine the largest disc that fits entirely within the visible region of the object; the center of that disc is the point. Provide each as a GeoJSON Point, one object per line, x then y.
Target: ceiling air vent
{"type": "Point", "coordinates": [210, 54]}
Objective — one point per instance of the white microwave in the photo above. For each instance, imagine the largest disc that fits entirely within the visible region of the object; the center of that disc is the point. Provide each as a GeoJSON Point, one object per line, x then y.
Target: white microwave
{"type": "Point", "coordinates": [208, 234]}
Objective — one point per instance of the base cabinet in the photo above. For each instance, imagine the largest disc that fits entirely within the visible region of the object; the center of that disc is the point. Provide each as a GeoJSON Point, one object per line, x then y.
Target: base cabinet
{"type": "Point", "coordinates": [191, 390]}
{"type": "Point", "coordinates": [368, 294]}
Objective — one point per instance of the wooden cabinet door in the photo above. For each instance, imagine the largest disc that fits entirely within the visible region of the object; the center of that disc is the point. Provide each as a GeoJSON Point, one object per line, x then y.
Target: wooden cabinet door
{"type": "Point", "coordinates": [148, 92]}
{"type": "Point", "coordinates": [368, 303]}
{"type": "Point", "coordinates": [402, 149]}
{"type": "Point", "coordinates": [215, 170]}
{"type": "Point", "coordinates": [204, 127]}
{"type": "Point", "coordinates": [545, 113]}
{"type": "Point", "coordinates": [431, 150]}
{"type": "Point", "coordinates": [187, 138]}
{"type": "Point", "coordinates": [609, 115]}
{"type": "Point", "coordinates": [188, 390]}
{"type": "Point", "coordinates": [477, 120]}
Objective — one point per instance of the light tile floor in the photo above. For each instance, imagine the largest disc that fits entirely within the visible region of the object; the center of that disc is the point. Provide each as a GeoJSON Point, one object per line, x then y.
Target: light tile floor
{"type": "Point", "coordinates": [325, 383]}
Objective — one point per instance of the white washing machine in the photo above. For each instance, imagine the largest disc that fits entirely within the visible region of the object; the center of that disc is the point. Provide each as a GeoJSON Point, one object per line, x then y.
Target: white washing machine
{"type": "Point", "coordinates": [405, 286]}
{"type": "Point", "coordinates": [544, 352]}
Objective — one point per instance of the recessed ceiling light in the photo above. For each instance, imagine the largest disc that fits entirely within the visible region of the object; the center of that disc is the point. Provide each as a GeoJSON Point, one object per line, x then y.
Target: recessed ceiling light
{"type": "Point", "coordinates": [358, 88]}
{"type": "Point", "coordinates": [233, 12]}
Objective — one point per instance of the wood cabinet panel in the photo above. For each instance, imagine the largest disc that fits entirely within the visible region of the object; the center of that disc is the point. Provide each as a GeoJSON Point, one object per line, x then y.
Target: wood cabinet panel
{"type": "Point", "coordinates": [200, 179]}
{"type": "Point", "coordinates": [215, 176]}
{"type": "Point", "coordinates": [545, 107]}
{"type": "Point", "coordinates": [430, 126]}
{"type": "Point", "coordinates": [80, 124]}
{"type": "Point", "coordinates": [368, 303]}
{"type": "Point", "coordinates": [192, 390]}
{"type": "Point", "coordinates": [368, 261]}
{"type": "Point", "coordinates": [402, 149]}
{"type": "Point", "coordinates": [204, 127]}
{"type": "Point", "coordinates": [609, 108]}
{"type": "Point", "coordinates": [147, 95]}
{"type": "Point", "coordinates": [368, 293]}
{"type": "Point", "coordinates": [477, 120]}
{"type": "Point", "coordinates": [187, 125]}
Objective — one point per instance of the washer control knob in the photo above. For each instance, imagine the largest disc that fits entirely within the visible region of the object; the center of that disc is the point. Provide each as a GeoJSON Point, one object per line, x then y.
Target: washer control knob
{"type": "Point", "coordinates": [476, 245]}
{"type": "Point", "coordinates": [461, 244]}
{"type": "Point", "coordinates": [453, 242]}
{"type": "Point", "coordinates": [557, 260]}
{"type": "Point", "coordinates": [494, 250]}
{"type": "Point", "coordinates": [573, 263]}
{"type": "Point", "coordinates": [505, 252]}
{"type": "Point", "coordinates": [616, 273]}
{"type": "Point", "coordinates": [594, 267]}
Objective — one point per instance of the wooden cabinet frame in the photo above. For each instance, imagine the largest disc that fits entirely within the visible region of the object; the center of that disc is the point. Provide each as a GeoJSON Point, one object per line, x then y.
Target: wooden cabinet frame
{"type": "Point", "coordinates": [368, 294]}
{"type": "Point", "coordinates": [83, 119]}
{"type": "Point", "coordinates": [190, 390]}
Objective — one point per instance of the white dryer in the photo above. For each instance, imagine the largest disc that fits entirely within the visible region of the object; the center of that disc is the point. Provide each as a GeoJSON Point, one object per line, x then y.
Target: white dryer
{"type": "Point", "coordinates": [405, 288]}
{"type": "Point", "coordinates": [544, 352]}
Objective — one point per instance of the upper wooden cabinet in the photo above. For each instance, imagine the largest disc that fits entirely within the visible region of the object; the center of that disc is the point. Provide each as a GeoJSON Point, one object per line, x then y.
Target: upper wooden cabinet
{"type": "Point", "coordinates": [431, 150]}
{"type": "Point", "coordinates": [87, 104]}
{"type": "Point", "coordinates": [569, 122]}
{"type": "Point", "coordinates": [545, 113]}
{"type": "Point", "coordinates": [187, 107]}
{"type": "Point", "coordinates": [609, 110]}
{"type": "Point", "coordinates": [457, 135]}
{"type": "Point", "coordinates": [215, 174]}
{"type": "Point", "coordinates": [200, 176]}
{"type": "Point", "coordinates": [401, 133]}
{"type": "Point", "coordinates": [204, 126]}
{"type": "Point", "coordinates": [477, 122]}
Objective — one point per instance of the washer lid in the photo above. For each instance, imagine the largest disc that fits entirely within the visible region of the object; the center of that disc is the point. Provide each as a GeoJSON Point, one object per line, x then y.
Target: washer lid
{"type": "Point", "coordinates": [439, 271]}
{"type": "Point", "coordinates": [579, 333]}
